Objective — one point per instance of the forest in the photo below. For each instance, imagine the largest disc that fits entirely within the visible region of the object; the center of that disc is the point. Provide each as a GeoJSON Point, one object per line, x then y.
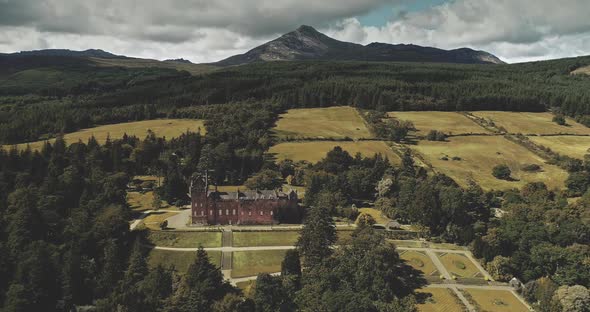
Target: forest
{"type": "Point", "coordinates": [84, 95]}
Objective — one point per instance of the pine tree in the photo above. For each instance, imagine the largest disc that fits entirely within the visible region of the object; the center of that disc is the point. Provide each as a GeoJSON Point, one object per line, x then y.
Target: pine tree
{"type": "Point", "coordinates": [317, 236]}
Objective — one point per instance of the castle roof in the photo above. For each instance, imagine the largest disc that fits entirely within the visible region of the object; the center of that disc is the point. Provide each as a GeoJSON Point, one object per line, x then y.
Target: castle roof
{"type": "Point", "coordinates": [248, 195]}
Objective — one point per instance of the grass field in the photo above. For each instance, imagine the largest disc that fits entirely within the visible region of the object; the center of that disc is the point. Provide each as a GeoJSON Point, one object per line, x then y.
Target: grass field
{"type": "Point", "coordinates": [532, 123]}
{"type": "Point", "coordinates": [439, 300]}
{"type": "Point", "coordinates": [153, 220]}
{"type": "Point", "coordinates": [315, 151]}
{"type": "Point", "coordinates": [376, 214]}
{"type": "Point", "coordinates": [495, 300]}
{"type": "Point", "coordinates": [250, 263]}
{"type": "Point", "coordinates": [459, 265]}
{"type": "Point", "coordinates": [168, 128]}
{"type": "Point", "coordinates": [179, 259]}
{"type": "Point", "coordinates": [573, 146]}
{"type": "Point", "coordinates": [331, 122]}
{"type": "Point", "coordinates": [448, 122]}
{"type": "Point", "coordinates": [479, 154]}
{"type": "Point", "coordinates": [419, 261]}
{"type": "Point", "coordinates": [185, 239]}
{"type": "Point", "coordinates": [265, 238]}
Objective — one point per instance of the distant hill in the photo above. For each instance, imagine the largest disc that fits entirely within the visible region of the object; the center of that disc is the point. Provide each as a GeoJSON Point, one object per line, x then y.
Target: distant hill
{"type": "Point", "coordinates": [306, 43]}
{"type": "Point", "coordinates": [66, 52]}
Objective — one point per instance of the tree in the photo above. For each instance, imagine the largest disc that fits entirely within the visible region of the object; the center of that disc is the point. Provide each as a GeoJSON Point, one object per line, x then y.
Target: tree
{"type": "Point", "coordinates": [500, 268]}
{"type": "Point", "coordinates": [317, 236]}
{"type": "Point", "coordinates": [571, 299]}
{"type": "Point", "coordinates": [17, 299]}
{"type": "Point", "coordinates": [157, 201]}
{"type": "Point", "coordinates": [435, 135]}
{"type": "Point", "coordinates": [234, 303]}
{"type": "Point", "coordinates": [501, 172]}
{"type": "Point", "coordinates": [291, 264]}
{"type": "Point", "coordinates": [269, 295]}
{"type": "Point", "coordinates": [559, 119]}
{"type": "Point", "coordinates": [266, 179]}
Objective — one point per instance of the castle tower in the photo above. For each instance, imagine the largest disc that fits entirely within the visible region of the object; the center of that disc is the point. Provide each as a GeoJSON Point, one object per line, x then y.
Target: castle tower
{"type": "Point", "coordinates": [200, 209]}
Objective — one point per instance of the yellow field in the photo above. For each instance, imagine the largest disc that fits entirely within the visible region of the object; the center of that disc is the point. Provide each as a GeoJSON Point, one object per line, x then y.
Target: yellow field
{"type": "Point", "coordinates": [331, 122]}
{"type": "Point", "coordinates": [440, 300]}
{"type": "Point", "coordinates": [582, 70]}
{"type": "Point", "coordinates": [496, 300]}
{"type": "Point", "coordinates": [194, 69]}
{"type": "Point", "coordinates": [459, 265]}
{"type": "Point", "coordinates": [448, 122]}
{"type": "Point", "coordinates": [153, 220]}
{"type": "Point", "coordinates": [185, 239]}
{"type": "Point", "coordinates": [573, 146]}
{"type": "Point", "coordinates": [479, 154]}
{"type": "Point", "coordinates": [532, 123]}
{"type": "Point", "coordinates": [419, 261]}
{"type": "Point", "coordinates": [265, 238]}
{"type": "Point", "coordinates": [168, 128]}
{"type": "Point", "coordinates": [315, 151]}
{"type": "Point", "coordinates": [181, 260]}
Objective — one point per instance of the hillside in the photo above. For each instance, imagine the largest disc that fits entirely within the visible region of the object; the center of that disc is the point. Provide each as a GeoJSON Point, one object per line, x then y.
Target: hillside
{"type": "Point", "coordinates": [306, 43]}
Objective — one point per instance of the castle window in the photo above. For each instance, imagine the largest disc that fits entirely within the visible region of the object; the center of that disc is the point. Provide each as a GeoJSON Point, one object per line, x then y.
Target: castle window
{"type": "Point", "coordinates": [242, 213]}
{"type": "Point", "coordinates": [249, 213]}
{"type": "Point", "coordinates": [227, 212]}
{"type": "Point", "coordinates": [271, 213]}
{"type": "Point", "coordinates": [220, 212]}
{"type": "Point", "coordinates": [233, 212]}
{"type": "Point", "coordinates": [261, 212]}
{"type": "Point", "coordinates": [202, 213]}
{"type": "Point", "coordinates": [211, 212]}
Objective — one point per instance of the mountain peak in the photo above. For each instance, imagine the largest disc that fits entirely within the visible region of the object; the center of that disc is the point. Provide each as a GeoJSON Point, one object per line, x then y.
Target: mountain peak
{"type": "Point", "coordinates": [306, 43]}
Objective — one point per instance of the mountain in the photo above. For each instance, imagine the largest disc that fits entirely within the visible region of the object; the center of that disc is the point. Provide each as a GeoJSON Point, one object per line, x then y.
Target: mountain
{"type": "Point", "coordinates": [66, 52]}
{"type": "Point", "coordinates": [306, 43]}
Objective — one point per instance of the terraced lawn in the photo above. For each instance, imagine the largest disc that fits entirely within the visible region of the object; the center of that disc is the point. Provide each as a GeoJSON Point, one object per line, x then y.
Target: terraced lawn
{"type": "Point", "coordinates": [186, 239]}
{"type": "Point", "coordinates": [439, 300]}
{"type": "Point", "coordinates": [419, 261]}
{"type": "Point", "coordinates": [459, 265]}
{"type": "Point", "coordinates": [265, 238]}
{"type": "Point", "coordinates": [477, 156]}
{"type": "Point", "coordinates": [181, 260]}
{"type": "Point", "coordinates": [324, 123]}
{"type": "Point", "coordinates": [532, 123]}
{"type": "Point", "coordinates": [315, 151]}
{"type": "Point", "coordinates": [494, 300]}
{"type": "Point", "coordinates": [250, 263]}
{"type": "Point", "coordinates": [447, 122]}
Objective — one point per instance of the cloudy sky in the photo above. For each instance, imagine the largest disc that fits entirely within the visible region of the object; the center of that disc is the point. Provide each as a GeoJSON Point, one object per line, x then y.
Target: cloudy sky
{"type": "Point", "coordinates": [210, 30]}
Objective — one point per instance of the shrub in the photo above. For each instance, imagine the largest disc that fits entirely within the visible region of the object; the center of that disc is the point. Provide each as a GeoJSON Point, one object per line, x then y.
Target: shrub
{"type": "Point", "coordinates": [501, 172]}
{"type": "Point", "coordinates": [531, 168]}
{"type": "Point", "coordinates": [435, 135]}
{"type": "Point", "coordinates": [559, 119]}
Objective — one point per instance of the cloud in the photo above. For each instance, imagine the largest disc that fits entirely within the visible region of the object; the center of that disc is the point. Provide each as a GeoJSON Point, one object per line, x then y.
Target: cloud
{"type": "Point", "coordinates": [511, 29]}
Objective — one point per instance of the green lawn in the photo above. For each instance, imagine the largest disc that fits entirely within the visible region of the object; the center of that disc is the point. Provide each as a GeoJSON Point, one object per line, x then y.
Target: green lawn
{"type": "Point", "coordinates": [265, 238]}
{"type": "Point", "coordinates": [185, 239]}
{"type": "Point", "coordinates": [250, 263]}
{"type": "Point", "coordinates": [179, 259]}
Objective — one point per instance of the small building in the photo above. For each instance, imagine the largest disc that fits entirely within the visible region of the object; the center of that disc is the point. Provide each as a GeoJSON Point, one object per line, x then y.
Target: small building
{"type": "Point", "coordinates": [258, 207]}
{"type": "Point", "coordinates": [515, 283]}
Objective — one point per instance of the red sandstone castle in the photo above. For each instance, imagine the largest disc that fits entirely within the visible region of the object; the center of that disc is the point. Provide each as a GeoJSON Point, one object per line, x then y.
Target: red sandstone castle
{"type": "Point", "coordinates": [211, 207]}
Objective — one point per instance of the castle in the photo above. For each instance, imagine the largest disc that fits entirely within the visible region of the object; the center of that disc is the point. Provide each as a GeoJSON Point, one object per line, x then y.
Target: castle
{"type": "Point", "coordinates": [259, 207]}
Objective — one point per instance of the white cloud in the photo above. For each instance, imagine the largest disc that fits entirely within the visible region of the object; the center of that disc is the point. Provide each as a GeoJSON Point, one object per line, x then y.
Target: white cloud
{"type": "Point", "coordinates": [514, 30]}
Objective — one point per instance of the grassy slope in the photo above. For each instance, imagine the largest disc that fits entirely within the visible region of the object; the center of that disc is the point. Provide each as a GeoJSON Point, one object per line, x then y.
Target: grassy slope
{"type": "Point", "coordinates": [277, 238]}
{"type": "Point", "coordinates": [479, 154]}
{"type": "Point", "coordinates": [419, 261]}
{"type": "Point", "coordinates": [185, 239]}
{"type": "Point", "coordinates": [495, 300]}
{"type": "Point", "coordinates": [452, 263]}
{"type": "Point", "coordinates": [194, 69]}
{"type": "Point", "coordinates": [168, 128]}
{"type": "Point", "coordinates": [331, 122]}
{"type": "Point", "coordinates": [315, 151]}
{"type": "Point", "coordinates": [532, 123]}
{"type": "Point", "coordinates": [448, 122]}
{"type": "Point", "coordinates": [249, 263]}
{"type": "Point", "coordinates": [573, 146]}
{"type": "Point", "coordinates": [439, 300]}
{"type": "Point", "coordinates": [179, 259]}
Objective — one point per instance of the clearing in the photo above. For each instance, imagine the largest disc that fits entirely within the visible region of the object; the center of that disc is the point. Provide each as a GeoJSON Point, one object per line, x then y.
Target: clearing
{"type": "Point", "coordinates": [569, 145]}
{"type": "Point", "coordinates": [168, 128]}
{"type": "Point", "coordinates": [250, 263]}
{"type": "Point", "coordinates": [439, 300]}
{"type": "Point", "coordinates": [323, 123]}
{"type": "Point", "coordinates": [447, 122]}
{"type": "Point", "coordinates": [265, 238]}
{"type": "Point", "coordinates": [181, 260]}
{"type": "Point", "coordinates": [479, 154]}
{"type": "Point", "coordinates": [459, 265]}
{"type": "Point", "coordinates": [419, 261]}
{"type": "Point", "coordinates": [532, 123]}
{"type": "Point", "coordinates": [494, 300]}
{"type": "Point", "coordinates": [379, 217]}
{"type": "Point", "coordinates": [188, 239]}
{"type": "Point", "coordinates": [153, 220]}
{"type": "Point", "coordinates": [316, 151]}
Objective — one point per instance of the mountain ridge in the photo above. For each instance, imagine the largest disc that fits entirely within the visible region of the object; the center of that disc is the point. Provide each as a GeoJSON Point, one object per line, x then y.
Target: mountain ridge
{"type": "Point", "coordinates": [306, 43]}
